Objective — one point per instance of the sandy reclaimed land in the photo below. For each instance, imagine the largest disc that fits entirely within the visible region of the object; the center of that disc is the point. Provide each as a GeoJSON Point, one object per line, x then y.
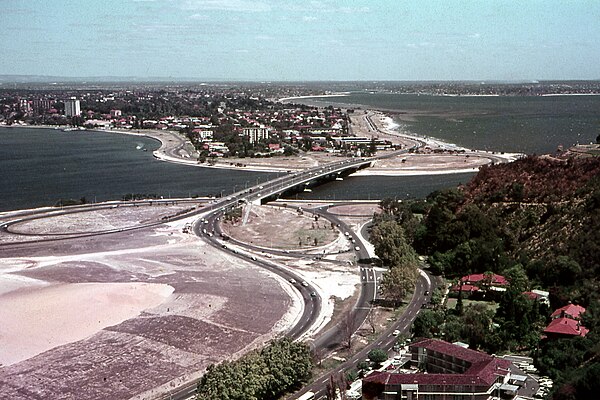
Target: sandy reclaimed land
{"type": "Point", "coordinates": [280, 228]}
{"type": "Point", "coordinates": [360, 210]}
{"type": "Point", "coordinates": [334, 273]}
{"type": "Point", "coordinates": [128, 314]}
{"type": "Point", "coordinates": [90, 307]}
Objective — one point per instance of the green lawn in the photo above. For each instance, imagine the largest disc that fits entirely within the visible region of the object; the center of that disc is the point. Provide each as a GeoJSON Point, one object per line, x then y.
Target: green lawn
{"type": "Point", "coordinates": [451, 304]}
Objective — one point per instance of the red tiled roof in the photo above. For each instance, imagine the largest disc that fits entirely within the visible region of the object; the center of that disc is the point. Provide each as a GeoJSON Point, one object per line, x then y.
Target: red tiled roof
{"type": "Point", "coordinates": [481, 374]}
{"type": "Point", "coordinates": [483, 366]}
{"type": "Point", "coordinates": [391, 378]}
{"type": "Point", "coordinates": [572, 310]}
{"type": "Point", "coordinates": [465, 288]}
{"type": "Point", "coordinates": [489, 371]}
{"type": "Point", "coordinates": [496, 279]}
{"type": "Point", "coordinates": [453, 350]}
{"type": "Point", "coordinates": [531, 295]}
{"type": "Point", "coordinates": [566, 326]}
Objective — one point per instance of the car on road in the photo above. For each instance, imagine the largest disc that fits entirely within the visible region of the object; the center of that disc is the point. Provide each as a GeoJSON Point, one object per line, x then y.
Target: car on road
{"type": "Point", "coordinates": [427, 293]}
{"type": "Point", "coordinates": [396, 332]}
{"type": "Point", "coordinates": [304, 283]}
{"type": "Point", "coordinates": [357, 248]}
{"type": "Point", "coordinates": [292, 280]}
{"type": "Point", "coordinates": [253, 258]}
{"type": "Point", "coordinates": [313, 294]}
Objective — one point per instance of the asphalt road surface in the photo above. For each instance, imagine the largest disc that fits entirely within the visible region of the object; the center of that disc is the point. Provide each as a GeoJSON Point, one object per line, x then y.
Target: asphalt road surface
{"type": "Point", "coordinates": [385, 341]}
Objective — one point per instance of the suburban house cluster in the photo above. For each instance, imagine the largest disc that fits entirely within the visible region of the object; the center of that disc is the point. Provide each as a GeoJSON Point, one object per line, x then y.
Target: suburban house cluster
{"type": "Point", "coordinates": [212, 121]}
{"type": "Point", "coordinates": [565, 321]}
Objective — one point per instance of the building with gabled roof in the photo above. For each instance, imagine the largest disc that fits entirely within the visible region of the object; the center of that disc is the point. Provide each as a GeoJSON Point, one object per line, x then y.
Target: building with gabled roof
{"type": "Point", "coordinates": [565, 327]}
{"type": "Point", "coordinates": [478, 279]}
{"type": "Point", "coordinates": [572, 311]}
{"type": "Point", "coordinates": [448, 371]}
{"type": "Point", "coordinates": [566, 322]}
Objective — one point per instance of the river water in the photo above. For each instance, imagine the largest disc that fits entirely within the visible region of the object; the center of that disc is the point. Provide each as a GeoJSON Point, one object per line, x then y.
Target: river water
{"type": "Point", "coordinates": [523, 124]}
{"type": "Point", "coordinates": [38, 167]}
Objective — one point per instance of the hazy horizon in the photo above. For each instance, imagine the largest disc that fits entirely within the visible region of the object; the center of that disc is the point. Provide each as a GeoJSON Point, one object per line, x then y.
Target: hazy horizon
{"type": "Point", "coordinates": [158, 79]}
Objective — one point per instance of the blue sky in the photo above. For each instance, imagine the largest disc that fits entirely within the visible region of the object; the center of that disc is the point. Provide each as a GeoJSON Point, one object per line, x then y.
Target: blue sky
{"type": "Point", "coordinates": [302, 39]}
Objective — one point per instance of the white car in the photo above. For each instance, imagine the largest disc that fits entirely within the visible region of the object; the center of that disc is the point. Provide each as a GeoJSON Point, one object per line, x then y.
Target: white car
{"type": "Point", "coordinates": [396, 332]}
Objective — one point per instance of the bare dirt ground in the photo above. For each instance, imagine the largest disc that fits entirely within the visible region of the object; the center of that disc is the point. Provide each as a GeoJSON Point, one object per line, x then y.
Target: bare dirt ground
{"type": "Point", "coordinates": [330, 267]}
{"type": "Point", "coordinates": [113, 316]}
{"type": "Point", "coordinates": [356, 210]}
{"type": "Point", "coordinates": [281, 228]}
{"type": "Point", "coordinates": [99, 220]}
{"type": "Point", "coordinates": [419, 164]}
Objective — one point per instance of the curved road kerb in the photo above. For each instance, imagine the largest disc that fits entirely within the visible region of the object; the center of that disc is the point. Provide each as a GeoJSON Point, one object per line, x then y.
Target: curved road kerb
{"type": "Point", "coordinates": [268, 189]}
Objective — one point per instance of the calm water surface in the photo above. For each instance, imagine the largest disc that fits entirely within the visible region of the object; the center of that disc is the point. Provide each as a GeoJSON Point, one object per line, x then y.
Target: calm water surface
{"type": "Point", "coordinates": [531, 125]}
{"type": "Point", "coordinates": [39, 167]}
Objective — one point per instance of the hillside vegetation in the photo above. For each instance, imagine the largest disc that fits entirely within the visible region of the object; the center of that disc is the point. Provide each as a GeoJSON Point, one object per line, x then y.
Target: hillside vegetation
{"type": "Point", "coordinates": [537, 222]}
{"type": "Point", "coordinates": [540, 212]}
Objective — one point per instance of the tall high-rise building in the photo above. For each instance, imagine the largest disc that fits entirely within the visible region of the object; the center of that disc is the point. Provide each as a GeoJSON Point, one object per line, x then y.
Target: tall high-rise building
{"type": "Point", "coordinates": [257, 133]}
{"type": "Point", "coordinates": [72, 107]}
{"type": "Point", "coordinates": [40, 106]}
{"type": "Point", "coordinates": [24, 106]}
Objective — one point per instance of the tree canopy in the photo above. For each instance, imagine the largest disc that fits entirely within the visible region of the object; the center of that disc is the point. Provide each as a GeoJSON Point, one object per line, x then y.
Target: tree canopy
{"type": "Point", "coordinates": [260, 375]}
{"type": "Point", "coordinates": [391, 245]}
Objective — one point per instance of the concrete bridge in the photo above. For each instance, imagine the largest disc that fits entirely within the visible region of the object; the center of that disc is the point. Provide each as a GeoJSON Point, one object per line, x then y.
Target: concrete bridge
{"type": "Point", "coordinates": [298, 181]}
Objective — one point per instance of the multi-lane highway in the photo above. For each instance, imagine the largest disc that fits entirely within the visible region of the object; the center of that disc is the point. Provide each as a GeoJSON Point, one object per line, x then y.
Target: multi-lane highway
{"type": "Point", "coordinates": [332, 338]}
{"type": "Point", "coordinates": [385, 341]}
{"type": "Point", "coordinates": [208, 222]}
